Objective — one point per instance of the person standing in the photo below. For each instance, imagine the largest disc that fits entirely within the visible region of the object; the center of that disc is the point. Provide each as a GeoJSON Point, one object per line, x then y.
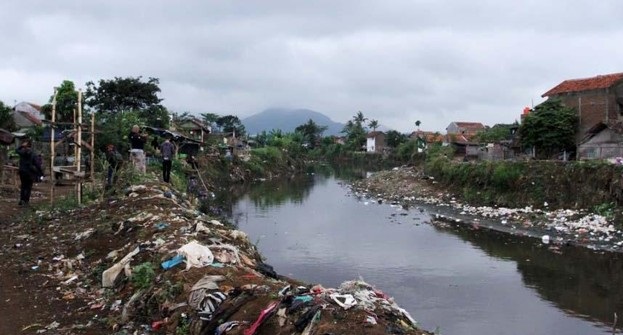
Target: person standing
{"type": "Point", "coordinates": [29, 171]}
{"type": "Point", "coordinates": [137, 148]}
{"type": "Point", "coordinates": [115, 160]}
{"type": "Point", "coordinates": [167, 149]}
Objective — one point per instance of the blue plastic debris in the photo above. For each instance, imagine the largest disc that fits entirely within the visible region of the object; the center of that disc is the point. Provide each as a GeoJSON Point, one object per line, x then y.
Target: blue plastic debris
{"type": "Point", "coordinates": [161, 225]}
{"type": "Point", "coordinates": [172, 262]}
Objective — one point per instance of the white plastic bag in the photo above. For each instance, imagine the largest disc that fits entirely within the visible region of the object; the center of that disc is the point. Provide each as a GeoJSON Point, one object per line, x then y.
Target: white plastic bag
{"type": "Point", "coordinates": [196, 255]}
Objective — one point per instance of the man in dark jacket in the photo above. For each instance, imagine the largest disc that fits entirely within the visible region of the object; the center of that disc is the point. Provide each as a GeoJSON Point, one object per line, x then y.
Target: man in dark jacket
{"type": "Point", "coordinates": [168, 152]}
{"type": "Point", "coordinates": [29, 171]}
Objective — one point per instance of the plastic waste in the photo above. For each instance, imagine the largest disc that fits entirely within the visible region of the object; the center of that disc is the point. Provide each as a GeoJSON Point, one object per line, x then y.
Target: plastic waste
{"type": "Point", "coordinates": [109, 276]}
{"type": "Point", "coordinates": [345, 301]}
{"type": "Point", "coordinates": [178, 259]}
{"type": "Point", "coordinates": [545, 239]}
{"type": "Point", "coordinates": [196, 255]}
{"type": "Point", "coordinates": [264, 314]}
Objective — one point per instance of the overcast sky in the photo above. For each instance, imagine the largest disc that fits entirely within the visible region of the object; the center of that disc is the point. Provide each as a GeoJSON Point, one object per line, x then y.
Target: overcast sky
{"type": "Point", "coordinates": [399, 61]}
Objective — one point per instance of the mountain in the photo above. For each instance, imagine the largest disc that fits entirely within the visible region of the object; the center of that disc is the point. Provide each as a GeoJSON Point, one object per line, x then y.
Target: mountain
{"type": "Point", "coordinates": [287, 120]}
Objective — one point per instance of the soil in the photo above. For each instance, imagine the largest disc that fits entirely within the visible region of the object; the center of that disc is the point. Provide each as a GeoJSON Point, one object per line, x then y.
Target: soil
{"type": "Point", "coordinates": [51, 279]}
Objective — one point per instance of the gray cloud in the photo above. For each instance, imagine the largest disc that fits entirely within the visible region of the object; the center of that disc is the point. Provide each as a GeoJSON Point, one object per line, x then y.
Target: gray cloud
{"type": "Point", "coordinates": [399, 61]}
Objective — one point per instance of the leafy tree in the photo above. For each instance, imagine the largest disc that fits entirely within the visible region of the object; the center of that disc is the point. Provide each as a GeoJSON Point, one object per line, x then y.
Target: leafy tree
{"type": "Point", "coordinates": [230, 124]}
{"type": "Point", "coordinates": [494, 134]}
{"type": "Point", "coordinates": [66, 102]}
{"type": "Point", "coordinates": [373, 124]}
{"type": "Point", "coordinates": [311, 132]}
{"type": "Point", "coordinates": [551, 128]}
{"type": "Point", "coordinates": [6, 118]}
{"type": "Point", "coordinates": [395, 138]}
{"type": "Point", "coordinates": [355, 132]}
{"type": "Point", "coordinates": [123, 94]}
{"type": "Point", "coordinates": [210, 118]}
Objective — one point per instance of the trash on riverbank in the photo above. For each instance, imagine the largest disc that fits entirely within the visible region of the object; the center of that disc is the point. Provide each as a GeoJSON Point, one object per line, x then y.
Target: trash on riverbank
{"type": "Point", "coordinates": [225, 287]}
{"type": "Point", "coordinates": [407, 187]}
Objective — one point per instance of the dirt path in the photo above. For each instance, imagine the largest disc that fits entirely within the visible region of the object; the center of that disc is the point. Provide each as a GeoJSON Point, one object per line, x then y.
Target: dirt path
{"type": "Point", "coordinates": [21, 303]}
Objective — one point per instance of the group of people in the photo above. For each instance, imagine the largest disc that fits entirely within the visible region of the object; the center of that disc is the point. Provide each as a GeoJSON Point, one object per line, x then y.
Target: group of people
{"type": "Point", "coordinates": [30, 166]}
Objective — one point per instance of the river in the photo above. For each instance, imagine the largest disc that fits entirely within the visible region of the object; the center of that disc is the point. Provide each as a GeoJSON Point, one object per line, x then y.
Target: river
{"type": "Point", "coordinates": [453, 279]}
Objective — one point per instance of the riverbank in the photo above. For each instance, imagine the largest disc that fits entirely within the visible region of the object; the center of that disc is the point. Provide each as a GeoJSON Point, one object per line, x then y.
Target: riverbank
{"type": "Point", "coordinates": [113, 267]}
{"type": "Point", "coordinates": [410, 187]}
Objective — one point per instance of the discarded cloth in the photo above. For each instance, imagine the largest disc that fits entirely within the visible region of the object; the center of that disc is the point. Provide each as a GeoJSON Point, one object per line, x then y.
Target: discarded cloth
{"type": "Point", "coordinates": [197, 255]}
{"type": "Point", "coordinates": [110, 275]}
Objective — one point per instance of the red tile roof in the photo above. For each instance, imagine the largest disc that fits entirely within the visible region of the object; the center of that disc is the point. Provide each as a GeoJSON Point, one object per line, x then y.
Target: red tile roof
{"type": "Point", "coordinates": [585, 84]}
{"type": "Point", "coordinates": [470, 125]}
{"type": "Point", "coordinates": [428, 136]}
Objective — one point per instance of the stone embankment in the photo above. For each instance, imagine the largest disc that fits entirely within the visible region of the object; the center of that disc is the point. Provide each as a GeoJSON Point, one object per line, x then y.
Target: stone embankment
{"type": "Point", "coordinates": [409, 187]}
{"type": "Point", "coordinates": [147, 262]}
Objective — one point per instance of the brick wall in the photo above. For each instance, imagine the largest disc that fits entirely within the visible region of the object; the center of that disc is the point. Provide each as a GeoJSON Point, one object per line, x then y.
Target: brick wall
{"type": "Point", "coordinates": [592, 107]}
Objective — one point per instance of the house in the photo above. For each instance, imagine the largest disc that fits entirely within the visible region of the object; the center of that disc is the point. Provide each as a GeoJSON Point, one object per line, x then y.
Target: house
{"type": "Point", "coordinates": [375, 141]}
{"type": "Point", "coordinates": [460, 135]}
{"type": "Point", "coordinates": [425, 138]}
{"type": "Point", "coordinates": [194, 128]}
{"type": "Point", "coordinates": [602, 141]}
{"type": "Point", "coordinates": [464, 129]}
{"type": "Point", "coordinates": [596, 99]}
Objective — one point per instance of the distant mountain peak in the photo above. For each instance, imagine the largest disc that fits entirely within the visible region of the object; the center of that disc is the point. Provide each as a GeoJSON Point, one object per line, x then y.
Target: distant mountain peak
{"type": "Point", "coordinates": [287, 119]}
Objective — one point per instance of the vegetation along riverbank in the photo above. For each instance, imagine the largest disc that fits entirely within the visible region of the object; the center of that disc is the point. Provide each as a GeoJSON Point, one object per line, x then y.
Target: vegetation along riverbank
{"type": "Point", "coordinates": [571, 203]}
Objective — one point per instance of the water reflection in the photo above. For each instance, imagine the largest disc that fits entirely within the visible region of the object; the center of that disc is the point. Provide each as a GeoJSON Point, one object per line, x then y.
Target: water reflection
{"type": "Point", "coordinates": [581, 282]}
{"type": "Point", "coordinates": [465, 281]}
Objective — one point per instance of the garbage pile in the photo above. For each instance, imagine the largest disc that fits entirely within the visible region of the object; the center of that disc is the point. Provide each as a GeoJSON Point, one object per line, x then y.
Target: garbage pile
{"type": "Point", "coordinates": [409, 188]}
{"type": "Point", "coordinates": [146, 262]}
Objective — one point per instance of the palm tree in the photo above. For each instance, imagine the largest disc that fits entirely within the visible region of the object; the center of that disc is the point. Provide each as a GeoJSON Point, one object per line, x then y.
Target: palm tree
{"type": "Point", "coordinates": [373, 124]}
{"type": "Point", "coordinates": [359, 118]}
{"type": "Point", "coordinates": [417, 124]}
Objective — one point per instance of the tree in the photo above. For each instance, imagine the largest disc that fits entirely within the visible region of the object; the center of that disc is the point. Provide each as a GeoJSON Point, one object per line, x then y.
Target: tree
{"type": "Point", "coordinates": [417, 124]}
{"type": "Point", "coordinates": [210, 118]}
{"type": "Point", "coordinates": [550, 128]}
{"type": "Point", "coordinates": [355, 132]}
{"type": "Point", "coordinates": [6, 118]}
{"type": "Point", "coordinates": [231, 124]}
{"type": "Point", "coordinates": [373, 124]}
{"type": "Point", "coordinates": [395, 138]}
{"type": "Point", "coordinates": [311, 132]}
{"type": "Point", "coordinates": [359, 118]}
{"type": "Point", "coordinates": [123, 94]}
{"type": "Point", "coordinates": [494, 134]}
{"type": "Point", "coordinates": [66, 102]}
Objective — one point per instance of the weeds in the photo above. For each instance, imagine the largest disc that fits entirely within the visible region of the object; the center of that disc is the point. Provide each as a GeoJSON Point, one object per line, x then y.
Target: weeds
{"type": "Point", "coordinates": [143, 275]}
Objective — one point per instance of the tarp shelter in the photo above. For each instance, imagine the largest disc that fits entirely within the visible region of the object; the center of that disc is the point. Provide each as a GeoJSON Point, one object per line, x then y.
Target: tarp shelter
{"type": "Point", "coordinates": [185, 145]}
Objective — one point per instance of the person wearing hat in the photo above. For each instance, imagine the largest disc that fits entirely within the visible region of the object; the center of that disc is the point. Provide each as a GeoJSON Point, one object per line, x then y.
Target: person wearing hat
{"type": "Point", "coordinates": [29, 170]}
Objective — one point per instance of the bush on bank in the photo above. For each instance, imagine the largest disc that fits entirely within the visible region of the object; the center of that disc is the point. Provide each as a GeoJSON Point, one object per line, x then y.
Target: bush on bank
{"type": "Point", "coordinates": [577, 184]}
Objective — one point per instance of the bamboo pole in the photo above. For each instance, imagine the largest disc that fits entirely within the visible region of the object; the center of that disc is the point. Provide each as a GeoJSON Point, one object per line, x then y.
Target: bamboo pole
{"type": "Point", "coordinates": [52, 147]}
{"type": "Point", "coordinates": [79, 147]}
{"type": "Point", "coordinates": [92, 172]}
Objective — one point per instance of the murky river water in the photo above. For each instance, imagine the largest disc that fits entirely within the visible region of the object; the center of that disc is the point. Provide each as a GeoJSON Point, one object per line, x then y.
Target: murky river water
{"type": "Point", "coordinates": [459, 280]}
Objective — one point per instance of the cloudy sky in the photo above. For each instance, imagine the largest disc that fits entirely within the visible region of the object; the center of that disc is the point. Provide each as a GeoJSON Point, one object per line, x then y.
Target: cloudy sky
{"type": "Point", "coordinates": [398, 61]}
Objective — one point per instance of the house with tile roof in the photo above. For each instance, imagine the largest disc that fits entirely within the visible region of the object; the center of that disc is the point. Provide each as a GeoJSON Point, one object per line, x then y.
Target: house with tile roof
{"type": "Point", "coordinates": [460, 135]}
{"type": "Point", "coordinates": [597, 99]}
{"type": "Point", "coordinates": [375, 141]}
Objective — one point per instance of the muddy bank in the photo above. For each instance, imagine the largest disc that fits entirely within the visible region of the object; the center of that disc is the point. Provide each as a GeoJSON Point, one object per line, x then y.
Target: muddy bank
{"type": "Point", "coordinates": [145, 261]}
{"type": "Point", "coordinates": [411, 187]}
